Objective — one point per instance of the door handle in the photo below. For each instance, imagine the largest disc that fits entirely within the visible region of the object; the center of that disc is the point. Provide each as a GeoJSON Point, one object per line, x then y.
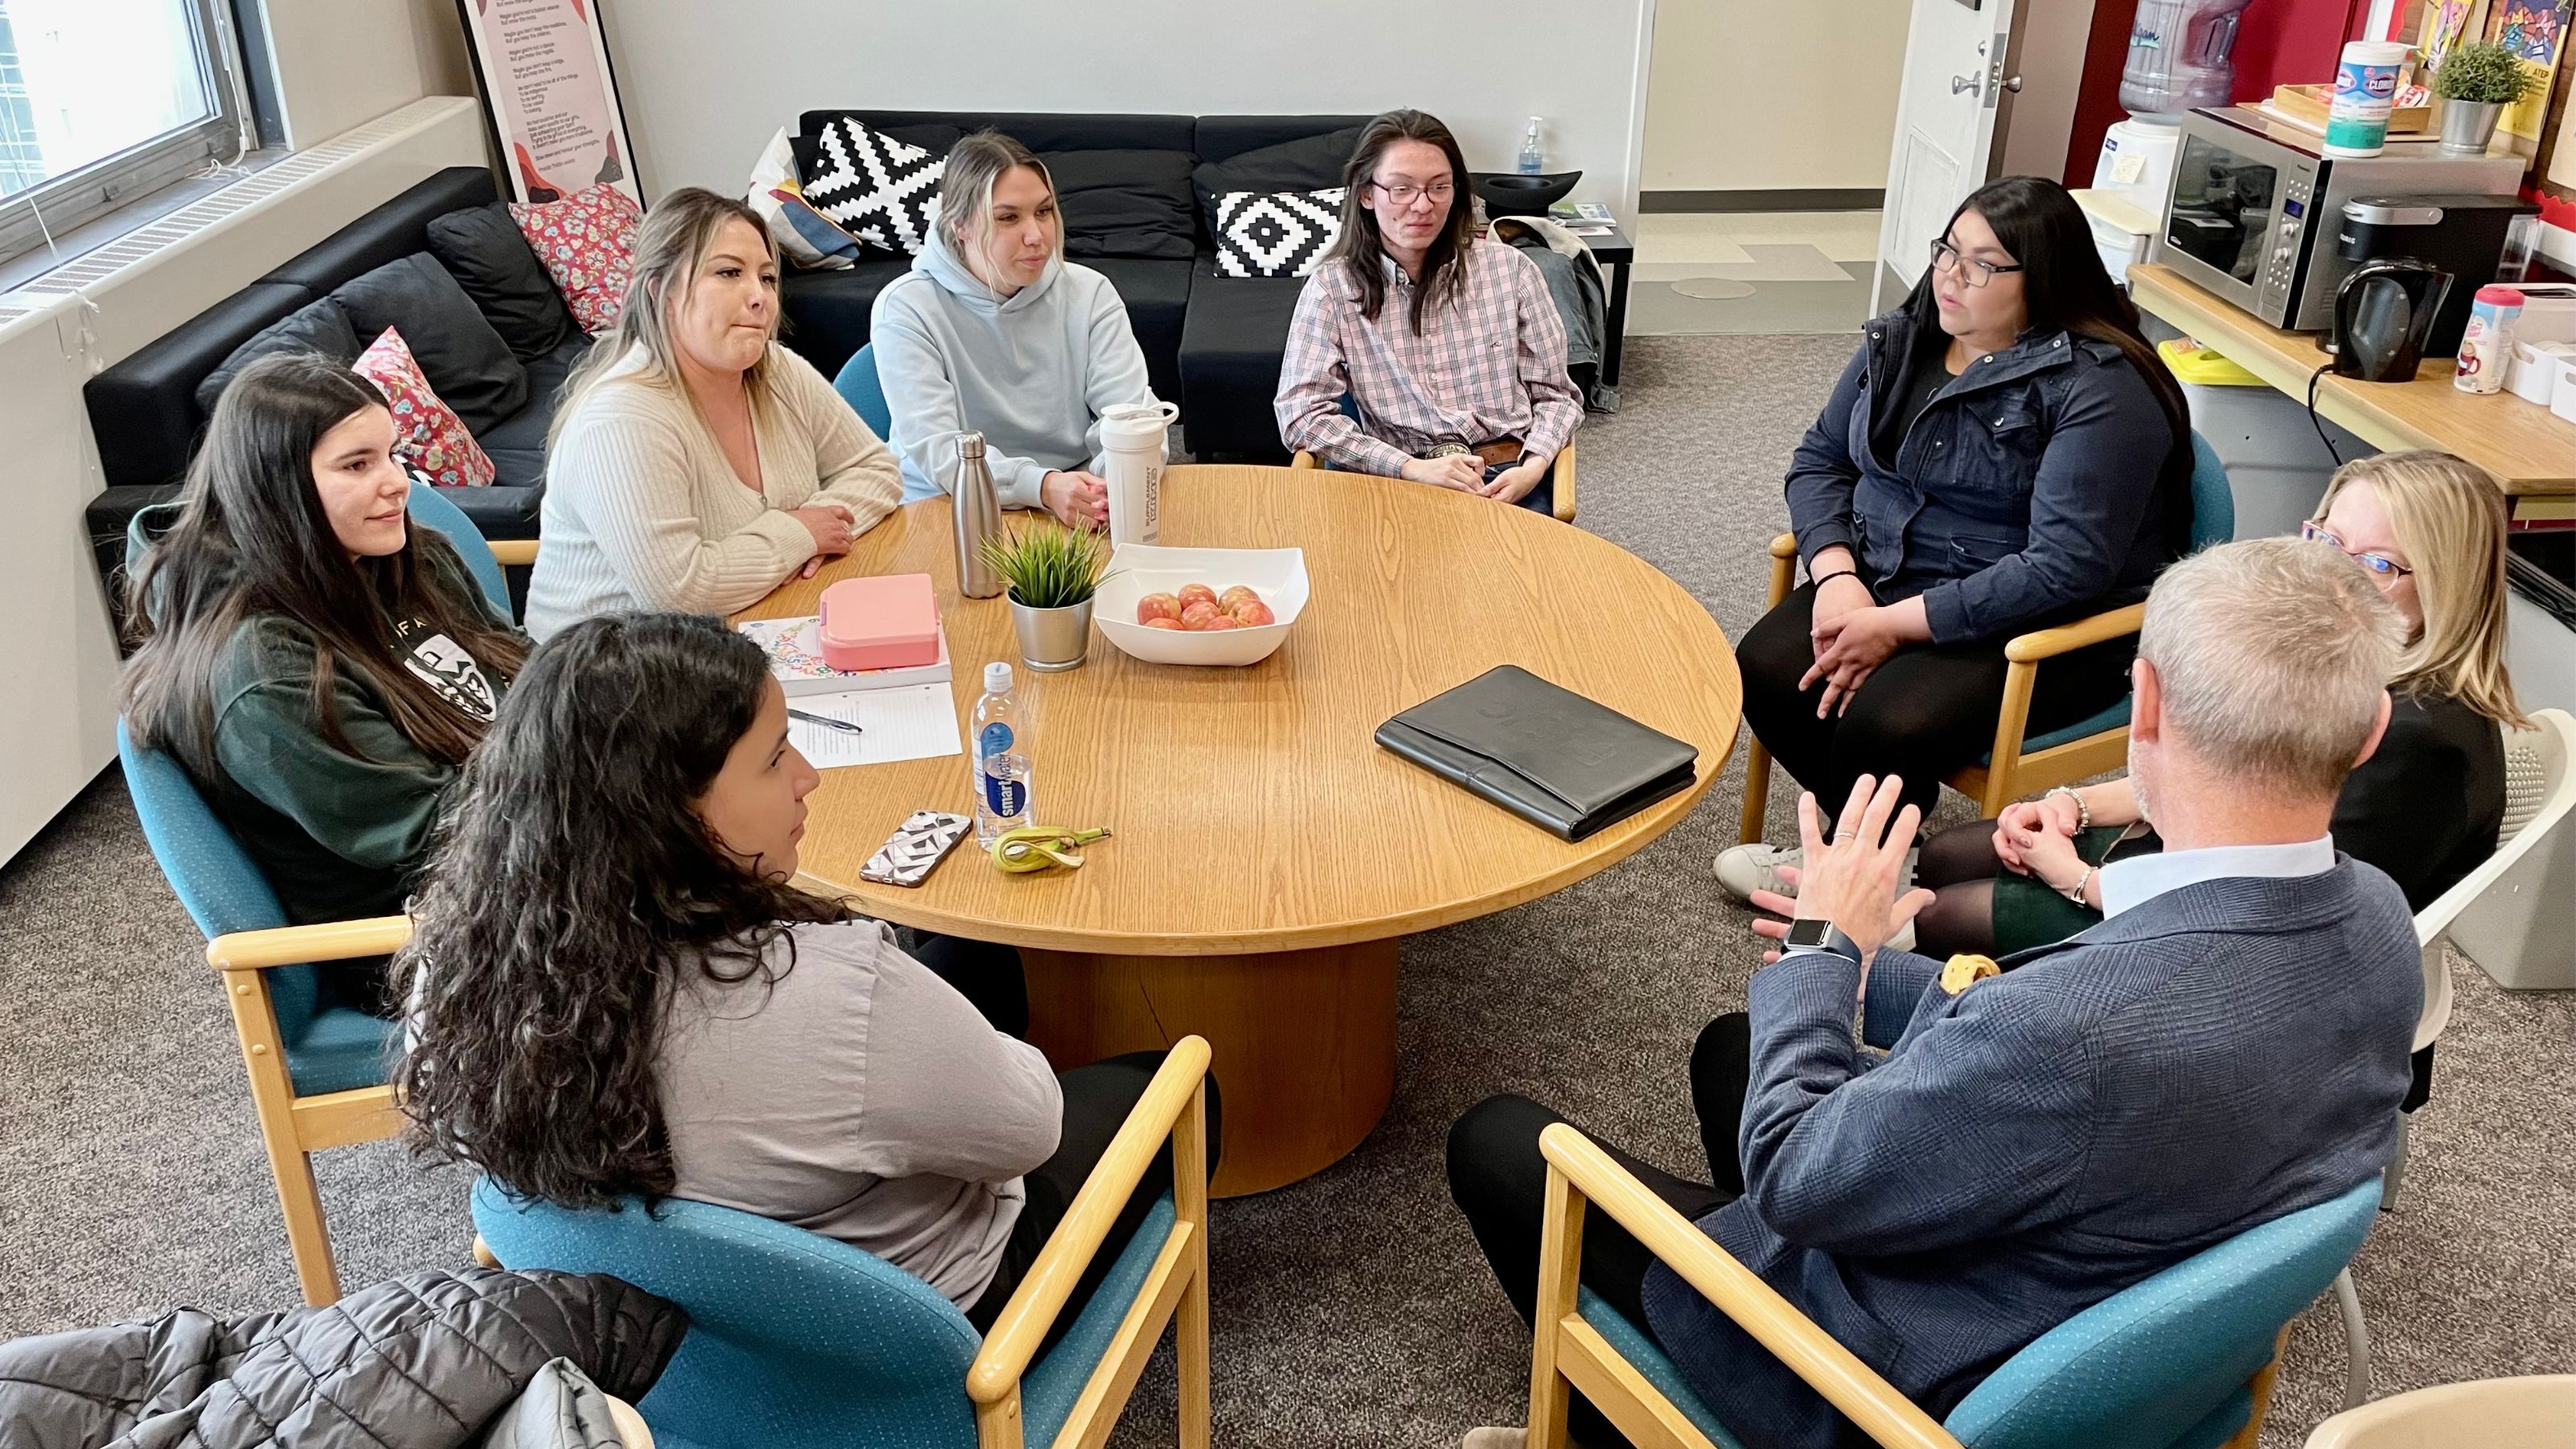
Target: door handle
{"type": "Point", "coordinates": [2013, 84]}
{"type": "Point", "coordinates": [1967, 83]}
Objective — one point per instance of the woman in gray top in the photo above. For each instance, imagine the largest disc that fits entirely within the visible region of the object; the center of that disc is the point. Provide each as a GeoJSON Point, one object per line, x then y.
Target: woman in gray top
{"type": "Point", "coordinates": [618, 994]}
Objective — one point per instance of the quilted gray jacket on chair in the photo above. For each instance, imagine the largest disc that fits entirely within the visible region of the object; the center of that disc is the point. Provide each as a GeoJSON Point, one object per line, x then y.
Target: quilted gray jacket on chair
{"type": "Point", "coordinates": [427, 1361]}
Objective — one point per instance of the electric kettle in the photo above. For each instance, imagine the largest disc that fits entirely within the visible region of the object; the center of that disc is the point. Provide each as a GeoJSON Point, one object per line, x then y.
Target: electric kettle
{"type": "Point", "coordinates": [2383, 312]}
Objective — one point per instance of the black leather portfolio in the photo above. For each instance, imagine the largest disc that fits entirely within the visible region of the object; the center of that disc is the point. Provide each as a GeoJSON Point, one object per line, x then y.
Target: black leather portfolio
{"type": "Point", "coordinates": [1546, 754]}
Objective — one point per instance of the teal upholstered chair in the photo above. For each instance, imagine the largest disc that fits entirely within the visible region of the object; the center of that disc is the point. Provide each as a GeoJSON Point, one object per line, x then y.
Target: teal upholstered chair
{"type": "Point", "coordinates": [317, 1075]}
{"type": "Point", "coordinates": [798, 1341]}
{"type": "Point", "coordinates": [2021, 763]}
{"type": "Point", "coordinates": [859, 386]}
{"type": "Point", "coordinates": [2184, 1360]}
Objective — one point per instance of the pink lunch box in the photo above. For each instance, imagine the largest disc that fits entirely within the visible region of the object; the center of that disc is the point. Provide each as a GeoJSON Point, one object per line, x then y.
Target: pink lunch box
{"type": "Point", "coordinates": [888, 621]}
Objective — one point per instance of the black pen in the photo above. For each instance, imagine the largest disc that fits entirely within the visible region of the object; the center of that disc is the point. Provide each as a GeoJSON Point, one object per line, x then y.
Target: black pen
{"type": "Point", "coordinates": [830, 724]}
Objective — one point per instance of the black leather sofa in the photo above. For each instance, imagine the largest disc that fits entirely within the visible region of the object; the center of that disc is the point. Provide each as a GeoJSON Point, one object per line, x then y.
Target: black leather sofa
{"type": "Point", "coordinates": [1212, 344]}
{"type": "Point", "coordinates": [147, 412]}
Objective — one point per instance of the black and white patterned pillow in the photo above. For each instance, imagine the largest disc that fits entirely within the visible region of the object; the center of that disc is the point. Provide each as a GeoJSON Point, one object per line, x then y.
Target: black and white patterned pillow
{"type": "Point", "coordinates": [875, 187]}
{"type": "Point", "coordinates": [1275, 233]}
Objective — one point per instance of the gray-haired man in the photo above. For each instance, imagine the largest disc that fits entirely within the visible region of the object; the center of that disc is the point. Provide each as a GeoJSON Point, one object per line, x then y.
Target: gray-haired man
{"type": "Point", "coordinates": [2229, 1045]}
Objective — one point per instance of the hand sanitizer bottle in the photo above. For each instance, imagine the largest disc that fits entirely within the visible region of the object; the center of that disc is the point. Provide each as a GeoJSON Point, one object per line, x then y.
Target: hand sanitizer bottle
{"type": "Point", "coordinates": [1533, 160]}
{"type": "Point", "coordinates": [1001, 758]}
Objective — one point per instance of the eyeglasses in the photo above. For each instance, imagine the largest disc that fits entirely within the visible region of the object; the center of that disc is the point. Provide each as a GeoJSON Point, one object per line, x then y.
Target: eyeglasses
{"type": "Point", "coordinates": [1403, 196]}
{"type": "Point", "coordinates": [2378, 563]}
{"type": "Point", "coordinates": [1971, 270]}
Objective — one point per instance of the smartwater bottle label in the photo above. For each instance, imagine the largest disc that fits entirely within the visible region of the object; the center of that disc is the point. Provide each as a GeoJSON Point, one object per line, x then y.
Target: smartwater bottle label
{"type": "Point", "coordinates": [996, 738]}
{"type": "Point", "coordinates": [1004, 796]}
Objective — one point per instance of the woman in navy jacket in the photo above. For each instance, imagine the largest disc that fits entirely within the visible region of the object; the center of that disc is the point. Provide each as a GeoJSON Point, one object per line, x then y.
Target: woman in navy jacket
{"type": "Point", "coordinates": [2003, 453]}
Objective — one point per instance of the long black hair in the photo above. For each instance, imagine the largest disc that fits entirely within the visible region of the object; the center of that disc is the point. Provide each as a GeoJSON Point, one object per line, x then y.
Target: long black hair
{"type": "Point", "coordinates": [1358, 249]}
{"type": "Point", "coordinates": [572, 890]}
{"type": "Point", "coordinates": [252, 539]}
{"type": "Point", "coordinates": [2064, 287]}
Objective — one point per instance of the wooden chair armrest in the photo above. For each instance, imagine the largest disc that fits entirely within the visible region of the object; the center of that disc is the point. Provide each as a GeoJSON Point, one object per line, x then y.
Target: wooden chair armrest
{"type": "Point", "coordinates": [1811, 1353]}
{"type": "Point", "coordinates": [514, 552]}
{"type": "Point", "coordinates": [1784, 546]}
{"type": "Point", "coordinates": [1561, 482]}
{"type": "Point", "coordinates": [1050, 1281]}
{"type": "Point", "coordinates": [2041, 644]}
{"type": "Point", "coordinates": [295, 945]}
{"type": "Point", "coordinates": [1303, 459]}
{"type": "Point", "coordinates": [632, 1431]}
{"type": "Point", "coordinates": [1784, 569]}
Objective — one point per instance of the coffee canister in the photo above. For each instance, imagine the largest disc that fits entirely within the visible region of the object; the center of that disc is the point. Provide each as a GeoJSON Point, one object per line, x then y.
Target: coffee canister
{"type": "Point", "coordinates": [2486, 348]}
{"type": "Point", "coordinates": [2365, 92]}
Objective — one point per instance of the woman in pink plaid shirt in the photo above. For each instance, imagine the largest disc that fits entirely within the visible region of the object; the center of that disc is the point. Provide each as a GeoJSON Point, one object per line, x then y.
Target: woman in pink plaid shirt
{"type": "Point", "coordinates": [1445, 346]}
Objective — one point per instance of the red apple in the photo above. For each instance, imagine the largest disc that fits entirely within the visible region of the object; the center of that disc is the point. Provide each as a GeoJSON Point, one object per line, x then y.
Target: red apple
{"type": "Point", "coordinates": [1157, 606]}
{"type": "Point", "coordinates": [1196, 593]}
{"type": "Point", "coordinates": [1162, 622]}
{"type": "Point", "coordinates": [1236, 597]}
{"type": "Point", "coordinates": [1199, 612]}
{"type": "Point", "coordinates": [1252, 614]}
{"type": "Point", "coordinates": [1219, 622]}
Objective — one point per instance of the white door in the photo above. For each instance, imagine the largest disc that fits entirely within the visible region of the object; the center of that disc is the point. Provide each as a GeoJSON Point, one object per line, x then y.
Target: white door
{"type": "Point", "coordinates": [1950, 115]}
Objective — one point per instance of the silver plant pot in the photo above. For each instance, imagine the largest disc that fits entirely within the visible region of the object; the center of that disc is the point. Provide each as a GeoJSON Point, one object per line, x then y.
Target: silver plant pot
{"type": "Point", "coordinates": [2467, 126]}
{"type": "Point", "coordinates": [1052, 640]}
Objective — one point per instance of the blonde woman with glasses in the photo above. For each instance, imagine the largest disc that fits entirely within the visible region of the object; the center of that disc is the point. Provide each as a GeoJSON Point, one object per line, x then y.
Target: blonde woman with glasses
{"type": "Point", "coordinates": [2424, 807]}
{"type": "Point", "coordinates": [695, 464]}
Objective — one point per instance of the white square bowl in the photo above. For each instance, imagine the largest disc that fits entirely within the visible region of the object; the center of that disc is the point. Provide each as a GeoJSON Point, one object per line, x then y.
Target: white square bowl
{"type": "Point", "coordinates": [1277, 574]}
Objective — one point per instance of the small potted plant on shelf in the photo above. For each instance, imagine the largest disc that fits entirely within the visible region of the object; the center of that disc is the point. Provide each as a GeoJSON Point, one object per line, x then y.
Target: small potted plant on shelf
{"type": "Point", "coordinates": [2475, 83]}
{"type": "Point", "coordinates": [1050, 573]}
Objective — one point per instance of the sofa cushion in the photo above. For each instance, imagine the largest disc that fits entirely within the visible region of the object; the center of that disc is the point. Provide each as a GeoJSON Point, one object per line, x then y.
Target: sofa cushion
{"type": "Point", "coordinates": [388, 233]}
{"type": "Point", "coordinates": [517, 445]}
{"type": "Point", "coordinates": [1275, 233]}
{"type": "Point", "coordinates": [827, 312]}
{"type": "Point", "coordinates": [319, 326]}
{"type": "Point", "coordinates": [427, 433]}
{"type": "Point", "coordinates": [1313, 163]}
{"type": "Point", "coordinates": [1157, 294]}
{"type": "Point", "coordinates": [483, 249]}
{"type": "Point", "coordinates": [1040, 131]}
{"type": "Point", "coordinates": [1126, 203]}
{"type": "Point", "coordinates": [1229, 361]}
{"type": "Point", "coordinates": [879, 189]}
{"type": "Point", "coordinates": [586, 243]}
{"type": "Point", "coordinates": [460, 354]}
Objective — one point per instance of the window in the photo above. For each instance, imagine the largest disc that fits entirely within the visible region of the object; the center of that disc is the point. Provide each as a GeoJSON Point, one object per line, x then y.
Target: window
{"type": "Point", "coordinates": [102, 101]}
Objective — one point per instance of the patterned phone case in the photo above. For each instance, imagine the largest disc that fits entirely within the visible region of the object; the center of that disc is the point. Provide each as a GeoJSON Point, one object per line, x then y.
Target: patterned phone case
{"type": "Point", "coordinates": [916, 845]}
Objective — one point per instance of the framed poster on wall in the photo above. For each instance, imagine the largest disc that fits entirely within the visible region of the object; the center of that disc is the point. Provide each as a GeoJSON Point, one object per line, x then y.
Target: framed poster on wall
{"type": "Point", "coordinates": [546, 82]}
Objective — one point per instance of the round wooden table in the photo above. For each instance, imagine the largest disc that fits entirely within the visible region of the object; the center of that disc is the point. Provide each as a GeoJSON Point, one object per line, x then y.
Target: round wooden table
{"type": "Point", "coordinates": [1269, 856]}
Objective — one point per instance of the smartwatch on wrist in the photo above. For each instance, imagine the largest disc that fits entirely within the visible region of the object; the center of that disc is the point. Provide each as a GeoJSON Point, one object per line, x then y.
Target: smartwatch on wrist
{"type": "Point", "coordinates": [1820, 936]}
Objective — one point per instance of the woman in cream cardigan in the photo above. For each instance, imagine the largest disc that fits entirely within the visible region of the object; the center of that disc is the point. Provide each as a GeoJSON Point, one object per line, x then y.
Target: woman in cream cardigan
{"type": "Point", "coordinates": [695, 464]}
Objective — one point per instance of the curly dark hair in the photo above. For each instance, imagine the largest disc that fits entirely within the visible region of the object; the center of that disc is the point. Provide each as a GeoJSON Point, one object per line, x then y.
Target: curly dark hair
{"type": "Point", "coordinates": [571, 890]}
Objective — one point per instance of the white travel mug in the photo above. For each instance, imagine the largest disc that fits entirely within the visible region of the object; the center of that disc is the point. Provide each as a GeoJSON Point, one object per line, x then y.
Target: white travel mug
{"type": "Point", "coordinates": [1132, 442]}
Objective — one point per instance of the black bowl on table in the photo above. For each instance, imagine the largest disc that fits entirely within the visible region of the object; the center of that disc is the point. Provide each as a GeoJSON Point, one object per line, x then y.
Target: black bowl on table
{"type": "Point", "coordinates": [1509, 193]}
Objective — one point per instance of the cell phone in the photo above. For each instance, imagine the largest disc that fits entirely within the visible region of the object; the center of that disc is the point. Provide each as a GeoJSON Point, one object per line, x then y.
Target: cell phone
{"type": "Point", "coordinates": [917, 845]}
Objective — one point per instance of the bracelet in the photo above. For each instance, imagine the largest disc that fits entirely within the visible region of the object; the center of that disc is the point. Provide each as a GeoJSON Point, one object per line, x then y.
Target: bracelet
{"type": "Point", "coordinates": [2075, 892]}
{"type": "Point", "coordinates": [2083, 812]}
{"type": "Point", "coordinates": [1841, 574]}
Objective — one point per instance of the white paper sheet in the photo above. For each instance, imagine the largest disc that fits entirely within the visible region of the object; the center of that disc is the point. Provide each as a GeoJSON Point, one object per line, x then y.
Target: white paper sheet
{"type": "Point", "coordinates": [916, 722]}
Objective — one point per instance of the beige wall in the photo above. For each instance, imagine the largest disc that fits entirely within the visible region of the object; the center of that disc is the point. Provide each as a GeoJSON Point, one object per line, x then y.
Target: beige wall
{"type": "Point", "coordinates": [1751, 95]}
{"type": "Point", "coordinates": [342, 63]}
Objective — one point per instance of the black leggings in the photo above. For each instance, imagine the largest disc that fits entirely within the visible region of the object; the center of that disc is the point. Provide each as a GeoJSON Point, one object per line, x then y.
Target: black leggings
{"type": "Point", "coordinates": [1499, 1180]}
{"type": "Point", "coordinates": [1924, 714]}
{"type": "Point", "coordinates": [1097, 1101]}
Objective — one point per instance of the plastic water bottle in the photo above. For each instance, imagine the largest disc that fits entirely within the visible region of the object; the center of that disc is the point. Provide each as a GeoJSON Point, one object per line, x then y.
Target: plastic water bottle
{"type": "Point", "coordinates": [1001, 758]}
{"type": "Point", "coordinates": [1533, 161]}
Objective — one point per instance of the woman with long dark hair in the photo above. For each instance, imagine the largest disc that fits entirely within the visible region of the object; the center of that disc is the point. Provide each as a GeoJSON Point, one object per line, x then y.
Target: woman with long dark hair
{"type": "Point", "coordinates": [320, 668]}
{"type": "Point", "coordinates": [2004, 452]}
{"type": "Point", "coordinates": [1446, 346]}
{"type": "Point", "coordinates": [616, 992]}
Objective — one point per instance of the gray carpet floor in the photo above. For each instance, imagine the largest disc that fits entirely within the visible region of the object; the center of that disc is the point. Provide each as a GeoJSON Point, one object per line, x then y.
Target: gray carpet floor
{"type": "Point", "coordinates": [1351, 1309]}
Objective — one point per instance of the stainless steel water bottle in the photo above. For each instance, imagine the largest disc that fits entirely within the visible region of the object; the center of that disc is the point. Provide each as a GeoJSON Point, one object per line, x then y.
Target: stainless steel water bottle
{"type": "Point", "coordinates": [978, 511]}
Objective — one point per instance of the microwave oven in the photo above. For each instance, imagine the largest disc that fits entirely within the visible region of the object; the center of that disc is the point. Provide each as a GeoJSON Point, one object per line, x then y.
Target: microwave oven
{"type": "Point", "coordinates": [2254, 205]}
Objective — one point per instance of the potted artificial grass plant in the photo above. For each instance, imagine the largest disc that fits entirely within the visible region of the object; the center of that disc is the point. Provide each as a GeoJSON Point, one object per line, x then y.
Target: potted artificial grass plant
{"type": "Point", "coordinates": [2475, 83]}
{"type": "Point", "coordinates": [1051, 573]}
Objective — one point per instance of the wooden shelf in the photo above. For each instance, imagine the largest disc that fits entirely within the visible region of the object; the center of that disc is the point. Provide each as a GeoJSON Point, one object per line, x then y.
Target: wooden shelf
{"type": "Point", "coordinates": [2530, 448]}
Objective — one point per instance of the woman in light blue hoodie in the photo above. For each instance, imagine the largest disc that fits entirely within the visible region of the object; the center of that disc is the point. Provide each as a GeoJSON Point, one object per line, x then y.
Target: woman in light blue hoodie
{"type": "Point", "coordinates": [993, 331]}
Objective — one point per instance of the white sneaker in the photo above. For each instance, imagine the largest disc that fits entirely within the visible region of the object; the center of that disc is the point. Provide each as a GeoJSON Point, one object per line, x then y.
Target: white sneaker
{"type": "Point", "coordinates": [1744, 869]}
{"type": "Point", "coordinates": [1490, 1437]}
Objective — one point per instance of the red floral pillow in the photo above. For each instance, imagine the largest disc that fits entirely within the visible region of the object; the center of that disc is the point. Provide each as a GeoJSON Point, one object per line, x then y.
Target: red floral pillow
{"type": "Point", "coordinates": [587, 242]}
{"type": "Point", "coordinates": [427, 432]}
